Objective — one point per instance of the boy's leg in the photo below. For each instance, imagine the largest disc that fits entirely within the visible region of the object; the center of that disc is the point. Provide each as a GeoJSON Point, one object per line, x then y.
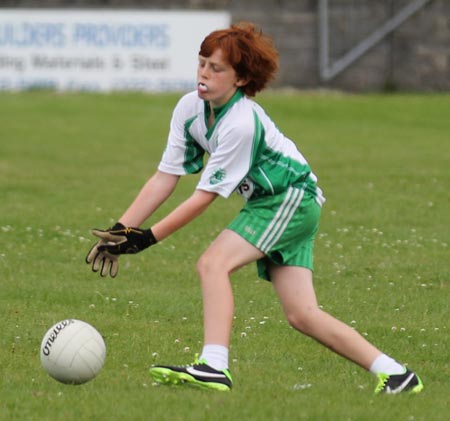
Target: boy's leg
{"type": "Point", "coordinates": [294, 286]}
{"type": "Point", "coordinates": [225, 255]}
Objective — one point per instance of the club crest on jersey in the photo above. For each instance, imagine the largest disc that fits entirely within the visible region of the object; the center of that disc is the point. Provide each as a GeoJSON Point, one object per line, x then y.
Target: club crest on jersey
{"type": "Point", "coordinates": [218, 176]}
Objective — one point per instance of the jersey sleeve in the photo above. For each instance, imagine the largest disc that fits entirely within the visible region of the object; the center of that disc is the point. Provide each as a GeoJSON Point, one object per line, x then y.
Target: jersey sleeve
{"type": "Point", "coordinates": [231, 161]}
{"type": "Point", "coordinates": [182, 154]}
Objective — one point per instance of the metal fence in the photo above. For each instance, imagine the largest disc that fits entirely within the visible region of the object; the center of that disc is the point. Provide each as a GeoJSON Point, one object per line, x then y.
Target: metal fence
{"type": "Point", "coordinates": [358, 45]}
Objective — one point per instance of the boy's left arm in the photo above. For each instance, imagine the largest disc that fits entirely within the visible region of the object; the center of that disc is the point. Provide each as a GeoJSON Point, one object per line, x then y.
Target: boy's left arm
{"type": "Point", "coordinates": [183, 214]}
{"type": "Point", "coordinates": [130, 240]}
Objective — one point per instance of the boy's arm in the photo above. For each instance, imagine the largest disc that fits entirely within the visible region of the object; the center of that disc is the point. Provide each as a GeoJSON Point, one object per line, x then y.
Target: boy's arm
{"type": "Point", "coordinates": [130, 239]}
{"type": "Point", "coordinates": [104, 259]}
{"type": "Point", "coordinates": [183, 214]}
{"type": "Point", "coordinates": [104, 255]}
{"type": "Point", "coordinates": [157, 189]}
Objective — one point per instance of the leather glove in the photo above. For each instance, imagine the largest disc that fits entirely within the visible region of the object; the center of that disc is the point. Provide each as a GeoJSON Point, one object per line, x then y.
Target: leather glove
{"type": "Point", "coordinates": [124, 240]}
{"type": "Point", "coordinates": [102, 260]}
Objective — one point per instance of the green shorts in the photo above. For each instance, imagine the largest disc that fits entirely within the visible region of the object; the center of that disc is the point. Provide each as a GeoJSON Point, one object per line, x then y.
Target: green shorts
{"type": "Point", "coordinates": [283, 227]}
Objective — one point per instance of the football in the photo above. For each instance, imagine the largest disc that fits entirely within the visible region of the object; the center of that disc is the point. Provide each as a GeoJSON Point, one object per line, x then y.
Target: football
{"type": "Point", "coordinates": [72, 351]}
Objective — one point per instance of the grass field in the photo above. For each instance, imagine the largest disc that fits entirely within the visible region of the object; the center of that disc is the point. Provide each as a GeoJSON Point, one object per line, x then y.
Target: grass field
{"type": "Point", "coordinates": [72, 162]}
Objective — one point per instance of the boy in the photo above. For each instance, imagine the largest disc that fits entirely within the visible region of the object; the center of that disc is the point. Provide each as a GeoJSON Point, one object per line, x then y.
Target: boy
{"type": "Point", "coordinates": [275, 228]}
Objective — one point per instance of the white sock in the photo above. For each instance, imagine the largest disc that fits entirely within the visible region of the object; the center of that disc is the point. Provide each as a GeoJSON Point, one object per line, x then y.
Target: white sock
{"type": "Point", "coordinates": [216, 356]}
{"type": "Point", "coordinates": [386, 365]}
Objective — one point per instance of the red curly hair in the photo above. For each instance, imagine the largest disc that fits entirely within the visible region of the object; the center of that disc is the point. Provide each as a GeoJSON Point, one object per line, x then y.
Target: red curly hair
{"type": "Point", "coordinates": [252, 54]}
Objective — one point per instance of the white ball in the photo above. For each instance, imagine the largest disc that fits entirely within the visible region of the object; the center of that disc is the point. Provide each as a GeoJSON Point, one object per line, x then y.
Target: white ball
{"type": "Point", "coordinates": [72, 351]}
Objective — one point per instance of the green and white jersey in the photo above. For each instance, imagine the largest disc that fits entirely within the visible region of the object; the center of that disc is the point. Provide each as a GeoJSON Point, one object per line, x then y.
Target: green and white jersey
{"type": "Point", "coordinates": [247, 152]}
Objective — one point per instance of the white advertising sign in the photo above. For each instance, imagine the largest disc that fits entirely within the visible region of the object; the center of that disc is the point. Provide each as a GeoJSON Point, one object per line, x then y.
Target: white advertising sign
{"type": "Point", "coordinates": [103, 50]}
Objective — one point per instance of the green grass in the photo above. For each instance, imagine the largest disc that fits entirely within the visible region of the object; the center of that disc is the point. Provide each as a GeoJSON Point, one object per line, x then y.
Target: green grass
{"type": "Point", "coordinates": [72, 162]}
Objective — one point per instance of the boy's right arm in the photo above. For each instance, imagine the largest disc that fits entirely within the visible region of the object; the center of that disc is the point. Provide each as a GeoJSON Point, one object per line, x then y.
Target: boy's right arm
{"type": "Point", "coordinates": [157, 189]}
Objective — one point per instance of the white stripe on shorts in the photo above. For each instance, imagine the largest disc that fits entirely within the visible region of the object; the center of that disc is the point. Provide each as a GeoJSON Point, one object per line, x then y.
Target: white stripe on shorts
{"type": "Point", "coordinates": [281, 220]}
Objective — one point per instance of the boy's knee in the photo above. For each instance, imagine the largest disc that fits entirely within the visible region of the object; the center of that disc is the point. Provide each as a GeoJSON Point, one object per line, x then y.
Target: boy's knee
{"type": "Point", "coordinates": [303, 320]}
{"type": "Point", "coordinates": [207, 264]}
{"type": "Point", "coordinates": [202, 265]}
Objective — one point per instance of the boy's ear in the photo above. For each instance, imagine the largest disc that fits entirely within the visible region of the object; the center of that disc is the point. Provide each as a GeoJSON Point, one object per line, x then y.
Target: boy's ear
{"type": "Point", "coordinates": [241, 82]}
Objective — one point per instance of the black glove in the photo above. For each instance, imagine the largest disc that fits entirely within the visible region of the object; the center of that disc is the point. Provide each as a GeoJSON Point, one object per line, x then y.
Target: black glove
{"type": "Point", "coordinates": [124, 240]}
{"type": "Point", "coordinates": [102, 260]}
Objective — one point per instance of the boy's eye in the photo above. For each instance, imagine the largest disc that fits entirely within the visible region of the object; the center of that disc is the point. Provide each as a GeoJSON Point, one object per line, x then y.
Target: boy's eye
{"type": "Point", "coordinates": [213, 66]}
{"type": "Point", "coordinates": [216, 68]}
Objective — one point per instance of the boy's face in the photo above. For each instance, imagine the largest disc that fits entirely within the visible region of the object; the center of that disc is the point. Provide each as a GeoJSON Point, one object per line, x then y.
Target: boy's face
{"type": "Point", "coordinates": [216, 79]}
